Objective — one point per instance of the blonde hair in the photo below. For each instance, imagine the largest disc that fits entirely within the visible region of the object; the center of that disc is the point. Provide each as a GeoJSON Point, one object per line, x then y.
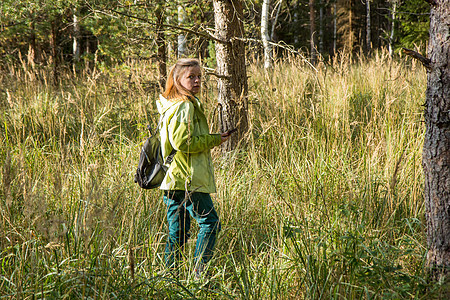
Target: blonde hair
{"type": "Point", "coordinates": [173, 87]}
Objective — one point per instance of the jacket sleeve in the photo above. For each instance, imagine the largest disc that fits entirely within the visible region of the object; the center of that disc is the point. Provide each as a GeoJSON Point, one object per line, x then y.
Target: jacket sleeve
{"type": "Point", "coordinates": [180, 129]}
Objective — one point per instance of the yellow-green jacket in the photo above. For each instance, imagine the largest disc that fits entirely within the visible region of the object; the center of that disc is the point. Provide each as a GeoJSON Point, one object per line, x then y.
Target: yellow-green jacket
{"type": "Point", "coordinates": [184, 128]}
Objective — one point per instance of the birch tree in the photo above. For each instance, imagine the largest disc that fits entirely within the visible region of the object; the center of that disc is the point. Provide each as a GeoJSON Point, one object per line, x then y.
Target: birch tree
{"type": "Point", "coordinates": [392, 33]}
{"type": "Point", "coordinates": [181, 36]}
{"type": "Point", "coordinates": [265, 34]}
{"type": "Point", "coordinates": [76, 37]}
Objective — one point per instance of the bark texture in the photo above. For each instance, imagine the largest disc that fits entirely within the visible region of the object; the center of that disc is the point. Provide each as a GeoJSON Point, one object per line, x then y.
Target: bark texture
{"type": "Point", "coordinates": [32, 44]}
{"type": "Point", "coordinates": [161, 43]}
{"type": "Point", "coordinates": [76, 38]}
{"type": "Point", "coordinates": [232, 75]}
{"type": "Point", "coordinates": [54, 49]}
{"type": "Point", "coordinates": [368, 28]}
{"type": "Point", "coordinates": [312, 29]}
{"type": "Point", "coordinates": [392, 34]}
{"type": "Point", "coordinates": [181, 36]}
{"type": "Point", "coordinates": [265, 34]}
{"type": "Point", "coordinates": [436, 151]}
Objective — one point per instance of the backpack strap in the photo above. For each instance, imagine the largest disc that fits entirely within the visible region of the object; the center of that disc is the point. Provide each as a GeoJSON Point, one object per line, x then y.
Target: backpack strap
{"type": "Point", "coordinates": [173, 152]}
{"type": "Point", "coordinates": [170, 157]}
{"type": "Point", "coordinates": [158, 127]}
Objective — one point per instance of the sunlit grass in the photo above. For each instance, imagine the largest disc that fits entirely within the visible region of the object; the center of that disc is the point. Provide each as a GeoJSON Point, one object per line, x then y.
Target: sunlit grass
{"type": "Point", "coordinates": [322, 200]}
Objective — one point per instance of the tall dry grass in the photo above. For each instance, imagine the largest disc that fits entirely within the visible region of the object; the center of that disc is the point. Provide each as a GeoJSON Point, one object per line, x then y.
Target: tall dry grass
{"type": "Point", "coordinates": [322, 200]}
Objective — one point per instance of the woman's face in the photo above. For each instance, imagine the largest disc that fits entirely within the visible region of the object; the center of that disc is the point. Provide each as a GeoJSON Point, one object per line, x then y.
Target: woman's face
{"type": "Point", "coordinates": [191, 79]}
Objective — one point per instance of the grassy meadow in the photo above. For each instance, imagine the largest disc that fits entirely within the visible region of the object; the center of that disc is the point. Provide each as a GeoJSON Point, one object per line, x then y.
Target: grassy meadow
{"type": "Point", "coordinates": [321, 200]}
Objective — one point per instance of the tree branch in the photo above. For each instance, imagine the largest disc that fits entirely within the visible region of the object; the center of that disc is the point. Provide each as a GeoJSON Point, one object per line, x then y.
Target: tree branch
{"type": "Point", "coordinates": [210, 71]}
{"type": "Point", "coordinates": [286, 47]}
{"type": "Point", "coordinates": [431, 2]}
{"type": "Point", "coordinates": [218, 75]}
{"type": "Point", "coordinates": [425, 61]}
{"type": "Point", "coordinates": [201, 34]}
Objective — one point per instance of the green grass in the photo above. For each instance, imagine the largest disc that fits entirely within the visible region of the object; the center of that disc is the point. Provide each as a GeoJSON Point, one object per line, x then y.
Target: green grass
{"type": "Point", "coordinates": [322, 200]}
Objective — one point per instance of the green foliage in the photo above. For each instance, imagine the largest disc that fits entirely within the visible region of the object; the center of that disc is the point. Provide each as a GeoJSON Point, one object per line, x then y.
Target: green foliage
{"type": "Point", "coordinates": [414, 23]}
{"type": "Point", "coordinates": [23, 19]}
{"type": "Point", "coordinates": [117, 30]}
{"type": "Point", "coordinates": [210, 61]}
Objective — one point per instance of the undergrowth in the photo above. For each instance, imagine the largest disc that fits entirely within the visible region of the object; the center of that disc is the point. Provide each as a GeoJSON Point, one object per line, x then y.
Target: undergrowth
{"type": "Point", "coordinates": [321, 200]}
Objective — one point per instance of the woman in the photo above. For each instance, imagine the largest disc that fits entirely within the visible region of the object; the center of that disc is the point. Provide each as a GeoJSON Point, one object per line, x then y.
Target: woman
{"type": "Point", "coordinates": [189, 180]}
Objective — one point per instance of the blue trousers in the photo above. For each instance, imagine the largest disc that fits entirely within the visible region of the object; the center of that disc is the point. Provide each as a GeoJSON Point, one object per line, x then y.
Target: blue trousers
{"type": "Point", "coordinates": [180, 207]}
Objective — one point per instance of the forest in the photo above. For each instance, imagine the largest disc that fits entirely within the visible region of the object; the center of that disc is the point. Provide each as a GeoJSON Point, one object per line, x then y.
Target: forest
{"type": "Point", "coordinates": [320, 193]}
{"type": "Point", "coordinates": [59, 32]}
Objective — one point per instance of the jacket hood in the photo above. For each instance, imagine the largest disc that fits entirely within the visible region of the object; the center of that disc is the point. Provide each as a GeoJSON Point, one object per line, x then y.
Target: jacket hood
{"type": "Point", "coordinates": [163, 104]}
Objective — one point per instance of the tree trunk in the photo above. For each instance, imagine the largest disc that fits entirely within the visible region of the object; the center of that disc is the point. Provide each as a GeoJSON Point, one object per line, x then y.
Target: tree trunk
{"type": "Point", "coordinates": [436, 149]}
{"type": "Point", "coordinates": [202, 49]}
{"type": "Point", "coordinates": [181, 36]}
{"type": "Point", "coordinates": [368, 28]}
{"type": "Point", "coordinates": [31, 57]}
{"type": "Point", "coordinates": [274, 23]}
{"type": "Point", "coordinates": [87, 63]}
{"type": "Point", "coordinates": [54, 50]}
{"type": "Point", "coordinates": [391, 36]}
{"type": "Point", "coordinates": [231, 69]}
{"type": "Point", "coordinates": [265, 34]}
{"type": "Point", "coordinates": [350, 26]}
{"type": "Point", "coordinates": [321, 36]}
{"type": "Point", "coordinates": [296, 21]}
{"type": "Point", "coordinates": [161, 44]}
{"type": "Point", "coordinates": [76, 38]}
{"type": "Point", "coordinates": [312, 27]}
{"type": "Point", "coordinates": [334, 27]}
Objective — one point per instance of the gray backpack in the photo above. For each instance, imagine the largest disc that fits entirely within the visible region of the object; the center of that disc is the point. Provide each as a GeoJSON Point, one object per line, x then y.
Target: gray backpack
{"type": "Point", "coordinates": [151, 168]}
